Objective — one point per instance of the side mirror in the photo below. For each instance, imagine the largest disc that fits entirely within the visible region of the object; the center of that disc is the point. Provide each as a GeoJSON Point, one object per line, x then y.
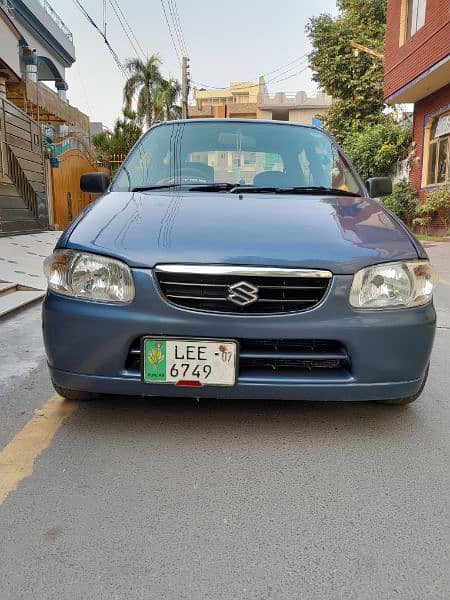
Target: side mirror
{"type": "Point", "coordinates": [379, 186]}
{"type": "Point", "coordinates": [94, 183]}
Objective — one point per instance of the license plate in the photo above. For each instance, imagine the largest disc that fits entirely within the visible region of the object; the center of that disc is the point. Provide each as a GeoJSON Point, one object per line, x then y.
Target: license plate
{"type": "Point", "coordinates": [189, 362]}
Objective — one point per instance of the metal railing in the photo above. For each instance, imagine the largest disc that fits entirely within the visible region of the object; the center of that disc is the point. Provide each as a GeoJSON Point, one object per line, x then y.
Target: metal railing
{"type": "Point", "coordinates": [7, 6]}
{"type": "Point", "coordinates": [56, 18]}
{"type": "Point", "coordinates": [21, 182]}
{"type": "Point", "coordinates": [70, 141]}
{"type": "Point", "coordinates": [112, 162]}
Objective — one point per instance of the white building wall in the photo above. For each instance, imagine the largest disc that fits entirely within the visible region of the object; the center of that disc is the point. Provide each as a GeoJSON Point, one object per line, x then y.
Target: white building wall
{"type": "Point", "coordinates": [9, 48]}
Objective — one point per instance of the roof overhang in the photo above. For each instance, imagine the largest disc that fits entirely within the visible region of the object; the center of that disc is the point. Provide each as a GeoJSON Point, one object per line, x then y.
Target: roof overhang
{"type": "Point", "coordinates": [43, 34]}
{"type": "Point", "coordinates": [428, 82]}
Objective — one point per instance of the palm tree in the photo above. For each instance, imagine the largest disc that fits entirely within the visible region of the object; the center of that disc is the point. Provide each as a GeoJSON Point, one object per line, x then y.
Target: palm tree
{"type": "Point", "coordinates": [144, 82]}
{"type": "Point", "coordinates": [165, 104]}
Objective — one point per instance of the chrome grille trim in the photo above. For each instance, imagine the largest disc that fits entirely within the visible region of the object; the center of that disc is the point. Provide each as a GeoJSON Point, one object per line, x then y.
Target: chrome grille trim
{"type": "Point", "coordinates": [243, 271]}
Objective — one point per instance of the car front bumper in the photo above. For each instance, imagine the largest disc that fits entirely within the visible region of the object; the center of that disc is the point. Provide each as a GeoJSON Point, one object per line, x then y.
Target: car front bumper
{"type": "Point", "coordinates": [88, 344]}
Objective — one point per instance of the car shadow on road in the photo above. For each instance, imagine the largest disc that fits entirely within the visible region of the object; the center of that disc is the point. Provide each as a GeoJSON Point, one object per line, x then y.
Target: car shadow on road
{"type": "Point", "coordinates": [122, 415]}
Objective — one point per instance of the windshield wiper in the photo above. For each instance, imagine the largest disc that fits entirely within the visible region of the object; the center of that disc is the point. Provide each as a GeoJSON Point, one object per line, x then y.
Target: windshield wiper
{"type": "Point", "coordinates": [317, 189]}
{"type": "Point", "coordinates": [211, 187]}
{"type": "Point", "coordinates": [320, 190]}
{"type": "Point", "coordinates": [145, 188]}
{"type": "Point", "coordinates": [234, 188]}
{"type": "Point", "coordinates": [196, 187]}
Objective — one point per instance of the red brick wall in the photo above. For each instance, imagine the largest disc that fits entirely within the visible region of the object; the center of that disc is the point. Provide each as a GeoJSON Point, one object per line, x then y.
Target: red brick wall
{"type": "Point", "coordinates": [423, 110]}
{"type": "Point", "coordinates": [428, 46]}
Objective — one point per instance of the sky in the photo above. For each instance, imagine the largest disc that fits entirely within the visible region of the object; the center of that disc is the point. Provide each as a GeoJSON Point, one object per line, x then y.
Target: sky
{"type": "Point", "coordinates": [237, 40]}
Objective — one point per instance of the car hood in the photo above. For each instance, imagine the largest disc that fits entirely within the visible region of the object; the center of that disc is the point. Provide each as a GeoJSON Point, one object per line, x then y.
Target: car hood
{"type": "Point", "coordinates": [342, 234]}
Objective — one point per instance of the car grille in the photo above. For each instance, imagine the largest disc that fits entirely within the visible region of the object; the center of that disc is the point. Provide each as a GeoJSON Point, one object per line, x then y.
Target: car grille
{"type": "Point", "coordinates": [256, 293]}
{"type": "Point", "coordinates": [277, 358]}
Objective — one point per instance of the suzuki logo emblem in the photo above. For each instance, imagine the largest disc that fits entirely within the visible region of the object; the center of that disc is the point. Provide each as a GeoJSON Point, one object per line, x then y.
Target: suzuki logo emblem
{"type": "Point", "coordinates": [243, 293]}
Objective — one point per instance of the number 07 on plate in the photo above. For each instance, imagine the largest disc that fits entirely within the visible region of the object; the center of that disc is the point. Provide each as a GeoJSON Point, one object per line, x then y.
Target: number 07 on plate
{"type": "Point", "coordinates": [189, 362]}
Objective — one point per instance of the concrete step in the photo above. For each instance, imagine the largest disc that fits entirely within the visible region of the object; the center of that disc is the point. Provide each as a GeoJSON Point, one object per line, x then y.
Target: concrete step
{"type": "Point", "coordinates": [6, 287]}
{"type": "Point", "coordinates": [18, 299]}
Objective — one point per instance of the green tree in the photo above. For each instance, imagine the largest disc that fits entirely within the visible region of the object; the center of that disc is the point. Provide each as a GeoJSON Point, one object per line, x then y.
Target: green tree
{"type": "Point", "coordinates": [403, 201]}
{"type": "Point", "coordinates": [143, 85]}
{"type": "Point", "coordinates": [121, 139]}
{"type": "Point", "coordinates": [166, 98]}
{"type": "Point", "coordinates": [375, 148]}
{"type": "Point", "coordinates": [354, 82]}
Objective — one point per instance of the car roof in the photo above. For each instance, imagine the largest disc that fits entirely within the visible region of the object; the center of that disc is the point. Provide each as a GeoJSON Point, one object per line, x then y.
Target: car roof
{"type": "Point", "coordinates": [253, 121]}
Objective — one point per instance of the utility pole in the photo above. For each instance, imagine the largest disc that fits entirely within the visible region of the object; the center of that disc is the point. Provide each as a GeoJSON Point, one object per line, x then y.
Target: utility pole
{"type": "Point", "coordinates": [184, 86]}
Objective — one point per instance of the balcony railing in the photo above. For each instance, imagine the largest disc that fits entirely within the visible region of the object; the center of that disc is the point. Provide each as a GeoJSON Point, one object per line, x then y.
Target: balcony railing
{"type": "Point", "coordinates": [7, 6]}
{"type": "Point", "coordinates": [56, 18]}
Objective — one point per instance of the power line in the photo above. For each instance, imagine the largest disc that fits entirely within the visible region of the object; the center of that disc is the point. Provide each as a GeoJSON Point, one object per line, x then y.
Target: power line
{"type": "Point", "coordinates": [125, 25]}
{"type": "Point", "coordinates": [122, 24]}
{"type": "Point", "coordinates": [170, 31]}
{"type": "Point", "coordinates": [293, 75]}
{"type": "Point", "coordinates": [177, 25]}
{"type": "Point", "coordinates": [175, 28]}
{"type": "Point", "coordinates": [298, 59]}
{"type": "Point", "coordinates": [102, 34]}
{"type": "Point", "coordinates": [275, 79]}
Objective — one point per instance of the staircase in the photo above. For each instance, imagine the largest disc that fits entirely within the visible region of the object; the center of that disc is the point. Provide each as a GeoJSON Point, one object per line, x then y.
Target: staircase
{"type": "Point", "coordinates": [23, 203]}
{"type": "Point", "coordinates": [14, 297]}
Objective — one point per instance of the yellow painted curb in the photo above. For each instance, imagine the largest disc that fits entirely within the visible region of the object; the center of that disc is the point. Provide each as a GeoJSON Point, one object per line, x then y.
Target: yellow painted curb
{"type": "Point", "coordinates": [17, 458]}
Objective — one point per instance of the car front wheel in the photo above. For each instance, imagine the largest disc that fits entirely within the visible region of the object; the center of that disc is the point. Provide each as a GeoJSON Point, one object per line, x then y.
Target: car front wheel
{"type": "Point", "coordinates": [408, 399]}
{"type": "Point", "coordinates": [76, 395]}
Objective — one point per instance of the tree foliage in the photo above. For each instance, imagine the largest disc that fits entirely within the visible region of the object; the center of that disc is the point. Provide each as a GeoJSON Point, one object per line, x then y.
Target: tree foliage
{"type": "Point", "coordinates": [121, 139]}
{"type": "Point", "coordinates": [376, 148]}
{"type": "Point", "coordinates": [154, 96]}
{"type": "Point", "coordinates": [437, 204]}
{"type": "Point", "coordinates": [403, 201]}
{"type": "Point", "coordinates": [354, 82]}
{"type": "Point", "coordinates": [166, 97]}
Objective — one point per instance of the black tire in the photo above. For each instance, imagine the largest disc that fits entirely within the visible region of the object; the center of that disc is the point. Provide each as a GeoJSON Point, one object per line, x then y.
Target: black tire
{"type": "Point", "coordinates": [76, 394]}
{"type": "Point", "coordinates": [408, 399]}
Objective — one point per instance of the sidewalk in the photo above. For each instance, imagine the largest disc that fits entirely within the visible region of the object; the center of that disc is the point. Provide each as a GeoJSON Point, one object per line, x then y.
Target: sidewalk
{"type": "Point", "coordinates": [22, 257]}
{"type": "Point", "coordinates": [22, 280]}
{"type": "Point", "coordinates": [439, 253]}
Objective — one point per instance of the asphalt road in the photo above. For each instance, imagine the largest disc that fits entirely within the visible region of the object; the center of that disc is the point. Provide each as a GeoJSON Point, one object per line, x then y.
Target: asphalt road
{"type": "Point", "coordinates": [160, 499]}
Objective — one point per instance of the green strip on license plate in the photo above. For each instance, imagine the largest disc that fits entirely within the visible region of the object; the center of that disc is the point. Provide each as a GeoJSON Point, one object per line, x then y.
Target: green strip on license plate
{"type": "Point", "coordinates": [155, 360]}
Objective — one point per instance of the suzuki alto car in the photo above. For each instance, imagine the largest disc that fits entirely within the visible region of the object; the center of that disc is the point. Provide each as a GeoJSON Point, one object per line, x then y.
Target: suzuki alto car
{"type": "Point", "coordinates": [238, 259]}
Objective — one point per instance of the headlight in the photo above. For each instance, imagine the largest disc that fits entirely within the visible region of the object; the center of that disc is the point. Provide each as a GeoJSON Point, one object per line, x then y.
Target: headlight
{"type": "Point", "coordinates": [393, 285]}
{"type": "Point", "coordinates": [89, 276]}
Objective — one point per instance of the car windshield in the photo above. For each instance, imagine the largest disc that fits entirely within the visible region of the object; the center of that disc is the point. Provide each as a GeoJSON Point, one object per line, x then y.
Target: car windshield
{"type": "Point", "coordinates": [262, 155]}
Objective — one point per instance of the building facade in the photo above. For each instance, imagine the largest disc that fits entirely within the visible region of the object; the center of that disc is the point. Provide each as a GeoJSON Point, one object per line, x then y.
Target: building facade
{"type": "Point", "coordinates": [248, 100]}
{"type": "Point", "coordinates": [417, 70]}
{"type": "Point", "coordinates": [37, 123]}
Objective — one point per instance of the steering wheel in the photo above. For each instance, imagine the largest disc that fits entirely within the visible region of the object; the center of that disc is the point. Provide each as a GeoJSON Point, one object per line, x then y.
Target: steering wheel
{"type": "Point", "coordinates": [186, 175]}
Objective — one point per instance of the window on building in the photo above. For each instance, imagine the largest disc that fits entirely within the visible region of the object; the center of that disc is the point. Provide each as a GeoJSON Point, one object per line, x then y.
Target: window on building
{"type": "Point", "coordinates": [416, 16]}
{"type": "Point", "coordinates": [439, 154]}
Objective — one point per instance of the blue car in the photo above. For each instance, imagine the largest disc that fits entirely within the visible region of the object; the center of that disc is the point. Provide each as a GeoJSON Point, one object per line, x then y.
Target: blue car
{"type": "Point", "coordinates": [238, 259]}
